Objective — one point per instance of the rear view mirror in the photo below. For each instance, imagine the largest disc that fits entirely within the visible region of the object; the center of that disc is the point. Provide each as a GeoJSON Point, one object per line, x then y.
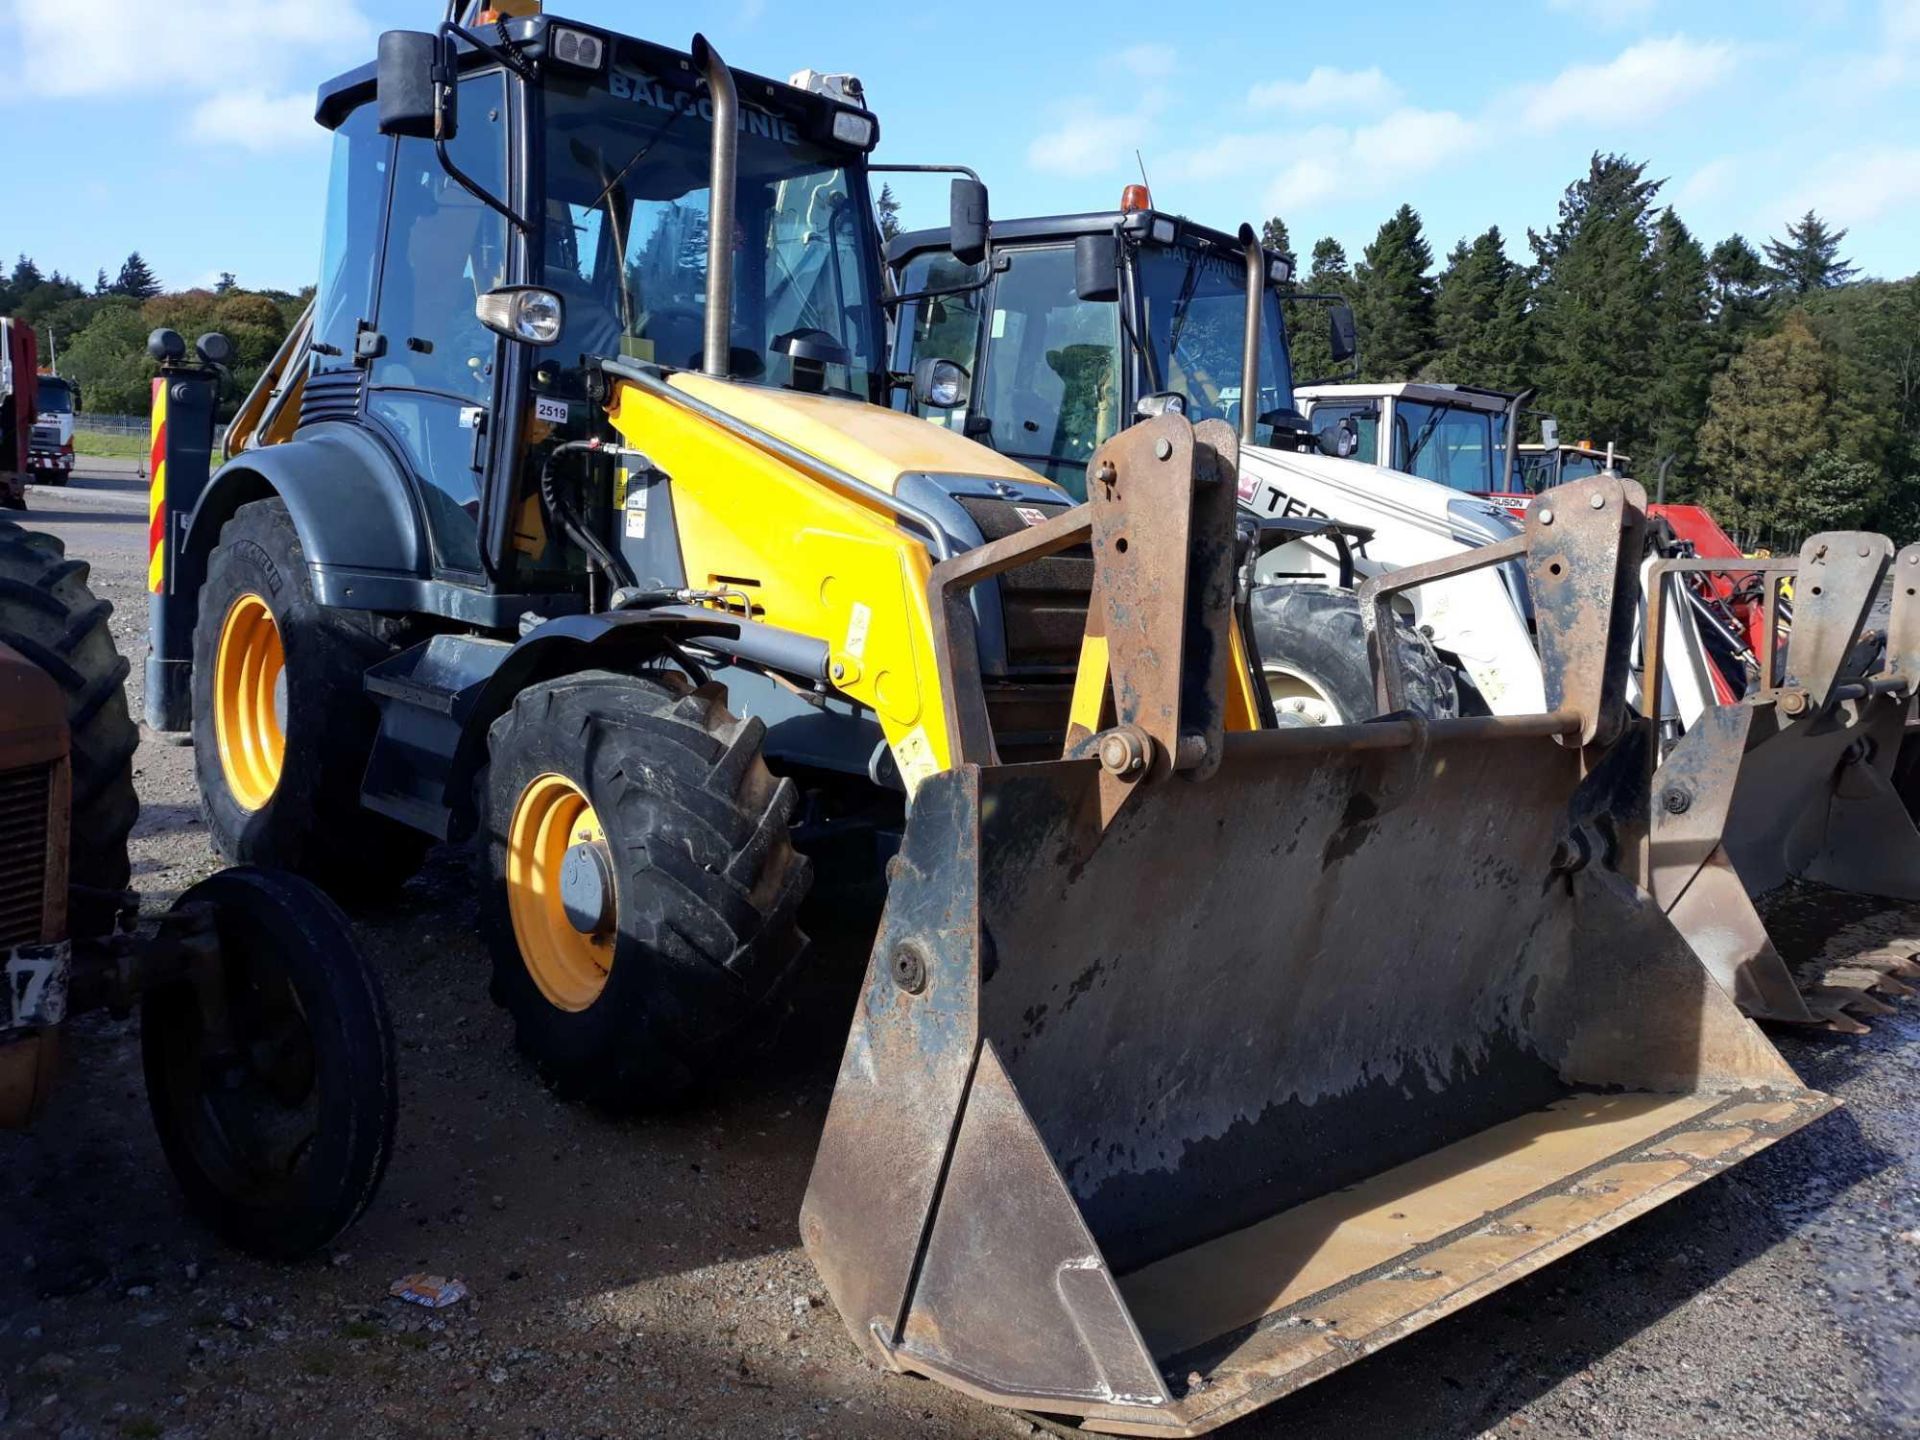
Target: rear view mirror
{"type": "Point", "coordinates": [1549, 434]}
{"type": "Point", "coordinates": [1345, 337]}
{"type": "Point", "coordinates": [404, 85]}
{"type": "Point", "coordinates": [1096, 267]}
{"type": "Point", "coordinates": [967, 221]}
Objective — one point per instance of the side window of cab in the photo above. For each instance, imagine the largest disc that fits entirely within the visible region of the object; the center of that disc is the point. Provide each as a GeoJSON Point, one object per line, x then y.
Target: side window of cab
{"type": "Point", "coordinates": [350, 246]}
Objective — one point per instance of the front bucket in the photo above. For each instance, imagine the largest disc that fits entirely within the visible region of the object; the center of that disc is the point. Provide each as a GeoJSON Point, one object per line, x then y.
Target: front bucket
{"type": "Point", "coordinates": [1151, 1127]}
{"type": "Point", "coordinates": [1818, 794]}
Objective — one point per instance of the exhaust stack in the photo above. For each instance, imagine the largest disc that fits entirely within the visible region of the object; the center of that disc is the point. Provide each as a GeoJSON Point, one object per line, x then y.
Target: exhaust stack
{"type": "Point", "coordinates": [717, 348]}
{"type": "Point", "coordinates": [1250, 339]}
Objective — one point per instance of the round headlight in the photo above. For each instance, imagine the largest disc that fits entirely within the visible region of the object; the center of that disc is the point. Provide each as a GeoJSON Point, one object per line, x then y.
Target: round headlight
{"type": "Point", "coordinates": [539, 316]}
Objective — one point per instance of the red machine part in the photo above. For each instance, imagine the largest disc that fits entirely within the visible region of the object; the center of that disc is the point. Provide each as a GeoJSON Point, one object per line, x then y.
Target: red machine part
{"type": "Point", "coordinates": [17, 407]}
{"type": "Point", "coordinates": [1738, 591]}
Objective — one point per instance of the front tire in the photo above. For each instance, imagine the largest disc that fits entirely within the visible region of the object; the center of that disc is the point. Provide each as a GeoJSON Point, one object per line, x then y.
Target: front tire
{"type": "Point", "coordinates": [1313, 654]}
{"type": "Point", "coordinates": [640, 887]}
{"type": "Point", "coordinates": [282, 725]}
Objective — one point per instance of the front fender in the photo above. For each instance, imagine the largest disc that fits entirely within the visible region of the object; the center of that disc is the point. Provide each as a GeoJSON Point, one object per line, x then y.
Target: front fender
{"type": "Point", "coordinates": [438, 700]}
{"type": "Point", "coordinates": [351, 503]}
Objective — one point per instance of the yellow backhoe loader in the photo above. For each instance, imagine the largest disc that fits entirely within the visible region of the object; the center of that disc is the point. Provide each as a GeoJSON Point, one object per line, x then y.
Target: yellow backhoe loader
{"type": "Point", "coordinates": [586, 537]}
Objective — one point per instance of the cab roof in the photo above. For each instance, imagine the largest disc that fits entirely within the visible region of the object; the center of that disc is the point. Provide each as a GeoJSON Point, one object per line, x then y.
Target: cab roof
{"type": "Point", "coordinates": [1043, 228]}
{"type": "Point", "coordinates": [342, 95]}
{"type": "Point", "coordinates": [1470, 397]}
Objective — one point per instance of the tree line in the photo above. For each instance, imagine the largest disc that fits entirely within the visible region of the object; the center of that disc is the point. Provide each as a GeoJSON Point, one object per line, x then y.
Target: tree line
{"type": "Point", "coordinates": [98, 334]}
{"type": "Point", "coordinates": [1783, 389]}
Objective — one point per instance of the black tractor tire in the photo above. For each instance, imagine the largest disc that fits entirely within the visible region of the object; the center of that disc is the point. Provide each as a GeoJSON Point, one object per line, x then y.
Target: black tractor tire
{"type": "Point", "coordinates": [1313, 632]}
{"type": "Point", "coordinates": [50, 615]}
{"type": "Point", "coordinates": [313, 824]}
{"type": "Point", "coordinates": [280, 1139]}
{"type": "Point", "coordinates": [706, 884]}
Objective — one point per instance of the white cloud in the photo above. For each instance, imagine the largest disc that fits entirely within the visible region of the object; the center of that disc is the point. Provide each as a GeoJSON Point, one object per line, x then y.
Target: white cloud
{"type": "Point", "coordinates": [1090, 140]}
{"type": "Point", "coordinates": [1149, 61]}
{"type": "Point", "coordinates": [1327, 88]}
{"type": "Point", "coordinates": [1901, 21]}
{"type": "Point", "coordinates": [1642, 82]}
{"type": "Point", "coordinates": [1712, 182]}
{"type": "Point", "coordinates": [1856, 187]}
{"type": "Point", "coordinates": [1373, 158]}
{"type": "Point", "coordinates": [254, 120]}
{"type": "Point", "coordinates": [1606, 12]}
{"type": "Point", "coordinates": [1091, 137]}
{"type": "Point", "coordinates": [128, 48]}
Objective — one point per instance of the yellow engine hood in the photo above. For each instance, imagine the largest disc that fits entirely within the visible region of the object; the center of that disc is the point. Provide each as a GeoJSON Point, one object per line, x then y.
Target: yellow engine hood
{"type": "Point", "coordinates": [868, 442]}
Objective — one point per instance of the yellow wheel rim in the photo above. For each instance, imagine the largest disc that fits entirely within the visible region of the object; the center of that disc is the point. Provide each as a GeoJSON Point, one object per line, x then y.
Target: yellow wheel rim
{"type": "Point", "coordinates": [552, 816]}
{"type": "Point", "coordinates": [246, 711]}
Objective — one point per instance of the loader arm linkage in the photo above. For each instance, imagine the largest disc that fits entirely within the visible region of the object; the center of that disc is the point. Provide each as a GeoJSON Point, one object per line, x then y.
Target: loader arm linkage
{"type": "Point", "coordinates": [1152, 1110]}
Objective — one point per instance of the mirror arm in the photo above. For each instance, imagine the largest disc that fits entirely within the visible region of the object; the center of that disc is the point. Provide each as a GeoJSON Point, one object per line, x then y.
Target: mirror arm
{"type": "Point", "coordinates": [970, 288]}
{"type": "Point", "coordinates": [479, 192]}
{"type": "Point", "coordinates": [510, 57]}
{"type": "Point", "coordinates": [444, 85]}
{"type": "Point", "coordinates": [966, 170]}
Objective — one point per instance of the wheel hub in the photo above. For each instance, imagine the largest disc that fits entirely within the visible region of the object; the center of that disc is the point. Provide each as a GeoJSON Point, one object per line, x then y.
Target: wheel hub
{"type": "Point", "coordinates": [560, 891]}
{"type": "Point", "coordinates": [1299, 702]}
{"type": "Point", "coordinates": [249, 702]}
{"type": "Point", "coordinates": [586, 888]}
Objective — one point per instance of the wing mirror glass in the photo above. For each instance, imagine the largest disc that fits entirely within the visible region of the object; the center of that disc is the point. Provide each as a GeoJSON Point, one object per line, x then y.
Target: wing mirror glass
{"type": "Point", "coordinates": [1549, 434]}
{"type": "Point", "coordinates": [1096, 267]}
{"type": "Point", "coordinates": [404, 85]}
{"type": "Point", "coordinates": [1345, 335]}
{"type": "Point", "coordinates": [967, 221]}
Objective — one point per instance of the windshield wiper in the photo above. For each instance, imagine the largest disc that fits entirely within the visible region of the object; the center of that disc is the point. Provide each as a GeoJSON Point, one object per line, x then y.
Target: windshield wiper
{"type": "Point", "coordinates": [1426, 434]}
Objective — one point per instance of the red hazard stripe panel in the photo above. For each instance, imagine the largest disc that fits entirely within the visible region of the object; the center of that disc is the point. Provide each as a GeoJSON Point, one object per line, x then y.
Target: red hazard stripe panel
{"type": "Point", "coordinates": [157, 492]}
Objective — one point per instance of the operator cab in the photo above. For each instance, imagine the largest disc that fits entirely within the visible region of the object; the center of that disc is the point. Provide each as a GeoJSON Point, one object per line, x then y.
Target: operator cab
{"type": "Point", "coordinates": [568, 211]}
{"type": "Point", "coordinates": [1461, 436]}
{"type": "Point", "coordinates": [1074, 326]}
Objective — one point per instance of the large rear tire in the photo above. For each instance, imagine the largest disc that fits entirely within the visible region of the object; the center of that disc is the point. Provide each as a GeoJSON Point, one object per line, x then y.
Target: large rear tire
{"type": "Point", "coordinates": [282, 725]}
{"type": "Point", "coordinates": [1313, 653]}
{"type": "Point", "coordinates": [640, 887]}
{"type": "Point", "coordinates": [279, 1139]}
{"type": "Point", "coordinates": [50, 615]}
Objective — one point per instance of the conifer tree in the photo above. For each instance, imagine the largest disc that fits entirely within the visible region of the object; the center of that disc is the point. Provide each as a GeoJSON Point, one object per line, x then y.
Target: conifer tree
{"type": "Point", "coordinates": [1740, 289]}
{"type": "Point", "coordinates": [1808, 258]}
{"type": "Point", "coordinates": [1594, 293]}
{"type": "Point", "coordinates": [1683, 345]}
{"type": "Point", "coordinates": [1394, 297]}
{"type": "Point", "coordinates": [1307, 324]}
{"type": "Point", "coordinates": [136, 279]}
{"type": "Point", "coordinates": [1481, 317]}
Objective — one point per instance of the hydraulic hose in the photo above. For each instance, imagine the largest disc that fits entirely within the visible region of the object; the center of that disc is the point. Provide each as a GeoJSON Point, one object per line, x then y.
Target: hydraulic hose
{"type": "Point", "coordinates": [562, 514]}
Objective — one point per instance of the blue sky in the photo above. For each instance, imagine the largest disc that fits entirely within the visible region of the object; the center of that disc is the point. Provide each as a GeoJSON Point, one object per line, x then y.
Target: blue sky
{"type": "Point", "coordinates": [184, 129]}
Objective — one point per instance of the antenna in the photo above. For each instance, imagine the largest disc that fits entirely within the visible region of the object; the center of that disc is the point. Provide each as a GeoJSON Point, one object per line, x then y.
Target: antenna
{"type": "Point", "coordinates": [1143, 169]}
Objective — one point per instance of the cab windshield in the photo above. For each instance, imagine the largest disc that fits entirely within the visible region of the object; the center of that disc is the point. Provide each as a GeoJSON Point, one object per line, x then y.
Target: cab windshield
{"type": "Point", "coordinates": [1453, 446]}
{"type": "Point", "coordinates": [52, 398]}
{"type": "Point", "coordinates": [1193, 307]}
{"type": "Point", "coordinates": [626, 239]}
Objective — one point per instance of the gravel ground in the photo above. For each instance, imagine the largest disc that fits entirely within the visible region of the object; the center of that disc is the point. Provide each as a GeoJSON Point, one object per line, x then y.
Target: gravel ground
{"type": "Point", "coordinates": [638, 1278]}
